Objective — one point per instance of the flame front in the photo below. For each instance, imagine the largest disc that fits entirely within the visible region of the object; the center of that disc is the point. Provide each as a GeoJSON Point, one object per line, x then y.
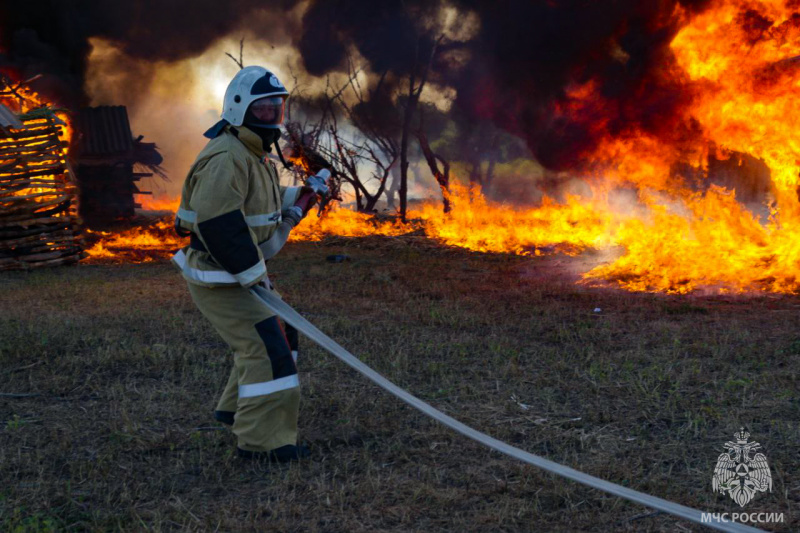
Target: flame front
{"type": "Point", "coordinates": [742, 60]}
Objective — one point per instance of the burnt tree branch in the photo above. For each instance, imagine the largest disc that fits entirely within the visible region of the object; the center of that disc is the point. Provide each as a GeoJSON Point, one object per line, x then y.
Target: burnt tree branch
{"type": "Point", "coordinates": [442, 176]}
{"type": "Point", "coordinates": [240, 61]}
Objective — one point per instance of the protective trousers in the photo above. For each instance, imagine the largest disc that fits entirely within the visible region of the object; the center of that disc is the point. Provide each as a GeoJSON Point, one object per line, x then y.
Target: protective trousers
{"type": "Point", "coordinates": [263, 388]}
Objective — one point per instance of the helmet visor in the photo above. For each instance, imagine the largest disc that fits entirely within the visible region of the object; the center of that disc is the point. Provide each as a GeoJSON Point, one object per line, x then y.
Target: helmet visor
{"type": "Point", "coordinates": [269, 110]}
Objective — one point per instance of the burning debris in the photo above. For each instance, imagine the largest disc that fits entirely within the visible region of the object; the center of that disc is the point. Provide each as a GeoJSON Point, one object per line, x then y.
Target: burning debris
{"type": "Point", "coordinates": [38, 197]}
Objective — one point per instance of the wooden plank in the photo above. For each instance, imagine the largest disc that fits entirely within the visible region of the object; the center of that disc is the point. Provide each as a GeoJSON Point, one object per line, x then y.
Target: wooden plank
{"type": "Point", "coordinates": [30, 222]}
{"type": "Point", "coordinates": [54, 236]}
{"type": "Point", "coordinates": [41, 140]}
{"type": "Point", "coordinates": [7, 144]}
{"type": "Point", "coordinates": [10, 171]}
{"type": "Point", "coordinates": [33, 257]}
{"type": "Point", "coordinates": [25, 163]}
{"type": "Point", "coordinates": [11, 209]}
{"type": "Point", "coordinates": [66, 223]}
{"type": "Point", "coordinates": [63, 204]}
{"type": "Point", "coordinates": [19, 265]}
{"type": "Point", "coordinates": [53, 148]}
{"type": "Point", "coordinates": [36, 131]}
{"type": "Point", "coordinates": [34, 158]}
{"type": "Point", "coordinates": [45, 143]}
{"type": "Point", "coordinates": [44, 248]}
{"type": "Point", "coordinates": [10, 200]}
{"type": "Point", "coordinates": [25, 265]}
{"type": "Point", "coordinates": [53, 170]}
{"type": "Point", "coordinates": [56, 185]}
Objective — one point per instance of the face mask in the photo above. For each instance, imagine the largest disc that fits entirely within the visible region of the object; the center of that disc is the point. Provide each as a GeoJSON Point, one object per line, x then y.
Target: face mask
{"type": "Point", "coordinates": [268, 136]}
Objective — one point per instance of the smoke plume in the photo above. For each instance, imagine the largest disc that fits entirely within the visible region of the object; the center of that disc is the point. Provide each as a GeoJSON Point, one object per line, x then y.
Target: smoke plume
{"type": "Point", "coordinates": [519, 67]}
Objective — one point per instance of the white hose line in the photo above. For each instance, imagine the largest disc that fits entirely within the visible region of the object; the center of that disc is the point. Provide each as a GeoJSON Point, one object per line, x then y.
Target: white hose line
{"type": "Point", "coordinates": [283, 310]}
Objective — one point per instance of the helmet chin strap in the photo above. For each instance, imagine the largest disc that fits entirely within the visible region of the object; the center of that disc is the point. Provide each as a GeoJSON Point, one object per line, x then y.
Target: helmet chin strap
{"type": "Point", "coordinates": [286, 165]}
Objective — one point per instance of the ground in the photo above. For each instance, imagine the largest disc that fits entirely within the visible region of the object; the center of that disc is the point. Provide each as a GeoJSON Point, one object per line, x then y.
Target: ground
{"type": "Point", "coordinates": [109, 376]}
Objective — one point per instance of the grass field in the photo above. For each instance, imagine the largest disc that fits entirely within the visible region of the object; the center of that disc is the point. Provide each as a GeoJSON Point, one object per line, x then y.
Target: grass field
{"type": "Point", "coordinates": [123, 373]}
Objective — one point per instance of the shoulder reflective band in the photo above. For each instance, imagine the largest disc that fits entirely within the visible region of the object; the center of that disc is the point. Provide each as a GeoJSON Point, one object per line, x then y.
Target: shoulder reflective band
{"type": "Point", "coordinates": [283, 310]}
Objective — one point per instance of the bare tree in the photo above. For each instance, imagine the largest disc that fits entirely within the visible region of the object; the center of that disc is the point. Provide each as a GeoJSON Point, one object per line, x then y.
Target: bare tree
{"type": "Point", "coordinates": [442, 175]}
{"type": "Point", "coordinates": [364, 157]}
{"type": "Point", "coordinates": [361, 156]}
{"type": "Point", "coordinates": [416, 83]}
{"type": "Point", "coordinates": [352, 157]}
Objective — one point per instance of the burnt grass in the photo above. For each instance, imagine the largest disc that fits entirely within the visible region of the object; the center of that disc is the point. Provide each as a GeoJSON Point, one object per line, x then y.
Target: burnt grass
{"type": "Point", "coordinates": [116, 374]}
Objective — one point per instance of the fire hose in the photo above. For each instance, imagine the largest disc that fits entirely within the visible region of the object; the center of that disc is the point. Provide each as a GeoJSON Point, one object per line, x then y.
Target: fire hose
{"type": "Point", "coordinates": [283, 310]}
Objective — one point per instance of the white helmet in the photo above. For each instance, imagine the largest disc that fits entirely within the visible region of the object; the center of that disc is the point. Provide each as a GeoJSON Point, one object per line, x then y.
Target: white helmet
{"type": "Point", "coordinates": [249, 84]}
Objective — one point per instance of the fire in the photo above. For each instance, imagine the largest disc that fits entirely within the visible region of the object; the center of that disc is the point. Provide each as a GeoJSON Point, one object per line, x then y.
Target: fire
{"type": "Point", "coordinates": [739, 64]}
{"type": "Point", "coordinates": [135, 245]}
{"type": "Point", "coordinates": [341, 222]}
{"type": "Point", "coordinates": [748, 60]}
{"type": "Point", "coordinates": [161, 203]}
{"type": "Point", "coordinates": [477, 224]}
{"type": "Point", "coordinates": [301, 163]}
{"type": "Point", "coordinates": [742, 58]}
{"type": "Point", "coordinates": [29, 101]}
{"type": "Point", "coordinates": [37, 193]}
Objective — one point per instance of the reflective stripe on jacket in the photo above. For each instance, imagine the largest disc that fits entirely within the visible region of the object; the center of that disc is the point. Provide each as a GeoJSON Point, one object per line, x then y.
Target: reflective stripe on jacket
{"type": "Point", "coordinates": [231, 200]}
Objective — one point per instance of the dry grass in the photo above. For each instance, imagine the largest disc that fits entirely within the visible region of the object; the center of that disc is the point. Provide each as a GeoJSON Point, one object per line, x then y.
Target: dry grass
{"type": "Point", "coordinates": [125, 373]}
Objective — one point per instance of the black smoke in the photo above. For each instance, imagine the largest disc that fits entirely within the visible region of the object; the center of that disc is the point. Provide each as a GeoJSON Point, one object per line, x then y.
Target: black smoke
{"type": "Point", "coordinates": [515, 71]}
{"type": "Point", "coordinates": [52, 37]}
{"type": "Point", "coordinates": [523, 59]}
{"type": "Point", "coordinates": [528, 55]}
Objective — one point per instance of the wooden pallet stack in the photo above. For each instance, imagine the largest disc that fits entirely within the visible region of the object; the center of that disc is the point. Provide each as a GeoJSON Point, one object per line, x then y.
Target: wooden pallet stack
{"type": "Point", "coordinates": [39, 224]}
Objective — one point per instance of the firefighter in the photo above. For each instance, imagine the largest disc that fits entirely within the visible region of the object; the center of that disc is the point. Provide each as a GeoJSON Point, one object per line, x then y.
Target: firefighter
{"type": "Point", "coordinates": [231, 203]}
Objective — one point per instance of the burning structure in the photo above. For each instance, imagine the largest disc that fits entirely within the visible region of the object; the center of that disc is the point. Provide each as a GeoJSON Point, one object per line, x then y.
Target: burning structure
{"type": "Point", "coordinates": [47, 192]}
{"type": "Point", "coordinates": [39, 225]}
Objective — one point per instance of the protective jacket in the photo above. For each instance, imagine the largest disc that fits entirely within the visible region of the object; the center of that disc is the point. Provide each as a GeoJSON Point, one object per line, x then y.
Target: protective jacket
{"type": "Point", "coordinates": [231, 202]}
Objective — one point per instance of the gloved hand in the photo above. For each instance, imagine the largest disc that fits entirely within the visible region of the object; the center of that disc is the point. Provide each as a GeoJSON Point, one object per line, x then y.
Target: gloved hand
{"type": "Point", "coordinates": [293, 215]}
{"type": "Point", "coordinates": [305, 201]}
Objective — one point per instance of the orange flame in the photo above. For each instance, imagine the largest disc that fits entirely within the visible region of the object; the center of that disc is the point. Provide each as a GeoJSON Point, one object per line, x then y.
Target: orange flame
{"type": "Point", "coordinates": [742, 62]}
{"type": "Point", "coordinates": [742, 57]}
{"type": "Point", "coordinates": [341, 222]}
{"type": "Point", "coordinates": [136, 245]}
{"type": "Point", "coordinates": [161, 203]}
